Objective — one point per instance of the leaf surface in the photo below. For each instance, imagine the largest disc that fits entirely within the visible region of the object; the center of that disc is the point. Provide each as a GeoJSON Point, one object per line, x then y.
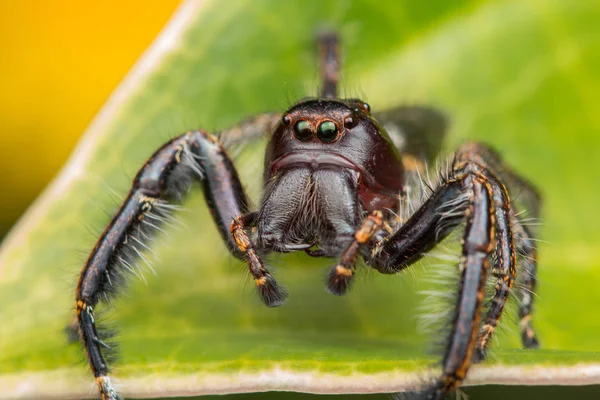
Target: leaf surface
{"type": "Point", "coordinates": [521, 75]}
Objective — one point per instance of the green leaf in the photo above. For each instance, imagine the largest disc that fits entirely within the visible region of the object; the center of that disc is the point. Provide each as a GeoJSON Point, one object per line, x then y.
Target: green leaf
{"type": "Point", "coordinates": [521, 75]}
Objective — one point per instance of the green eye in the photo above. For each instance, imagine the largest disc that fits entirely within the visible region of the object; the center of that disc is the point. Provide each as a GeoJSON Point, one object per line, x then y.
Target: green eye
{"type": "Point", "coordinates": [302, 131]}
{"type": "Point", "coordinates": [327, 131]}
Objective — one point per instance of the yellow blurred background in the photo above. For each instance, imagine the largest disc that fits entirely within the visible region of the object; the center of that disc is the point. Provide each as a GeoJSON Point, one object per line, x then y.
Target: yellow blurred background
{"type": "Point", "coordinates": [60, 61]}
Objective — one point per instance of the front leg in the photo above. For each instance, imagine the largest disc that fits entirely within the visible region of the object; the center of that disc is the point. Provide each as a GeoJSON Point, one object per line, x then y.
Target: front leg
{"type": "Point", "coordinates": [466, 194]}
{"type": "Point", "coordinates": [164, 178]}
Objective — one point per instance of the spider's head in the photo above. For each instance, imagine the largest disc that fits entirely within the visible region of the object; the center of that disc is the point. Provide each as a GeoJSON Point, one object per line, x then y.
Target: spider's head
{"type": "Point", "coordinates": [334, 133]}
{"type": "Point", "coordinates": [323, 121]}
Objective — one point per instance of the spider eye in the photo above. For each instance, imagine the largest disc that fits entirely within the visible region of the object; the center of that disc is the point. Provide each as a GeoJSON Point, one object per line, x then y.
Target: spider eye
{"type": "Point", "coordinates": [350, 122]}
{"type": "Point", "coordinates": [367, 107]}
{"type": "Point", "coordinates": [302, 131]}
{"type": "Point", "coordinates": [327, 131]}
{"type": "Point", "coordinates": [286, 120]}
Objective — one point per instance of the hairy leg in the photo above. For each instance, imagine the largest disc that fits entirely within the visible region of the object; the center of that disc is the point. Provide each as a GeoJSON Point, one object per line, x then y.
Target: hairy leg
{"type": "Point", "coordinates": [487, 230]}
{"type": "Point", "coordinates": [477, 246]}
{"type": "Point", "coordinates": [164, 178]}
{"type": "Point", "coordinates": [528, 280]}
{"type": "Point", "coordinates": [520, 189]}
{"type": "Point", "coordinates": [523, 237]}
{"type": "Point", "coordinates": [505, 266]}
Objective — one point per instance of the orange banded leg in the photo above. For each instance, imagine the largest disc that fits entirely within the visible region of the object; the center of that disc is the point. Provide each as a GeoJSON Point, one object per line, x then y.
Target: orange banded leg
{"type": "Point", "coordinates": [341, 275]}
{"type": "Point", "coordinates": [430, 224]}
{"type": "Point", "coordinates": [505, 268]}
{"type": "Point", "coordinates": [512, 237]}
{"type": "Point", "coordinates": [270, 292]}
{"type": "Point", "coordinates": [528, 252]}
{"type": "Point", "coordinates": [478, 243]}
{"type": "Point", "coordinates": [417, 235]}
{"type": "Point", "coordinates": [89, 336]}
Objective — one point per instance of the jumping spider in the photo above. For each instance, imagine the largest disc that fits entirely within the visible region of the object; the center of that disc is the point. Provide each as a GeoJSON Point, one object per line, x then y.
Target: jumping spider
{"type": "Point", "coordinates": [333, 180]}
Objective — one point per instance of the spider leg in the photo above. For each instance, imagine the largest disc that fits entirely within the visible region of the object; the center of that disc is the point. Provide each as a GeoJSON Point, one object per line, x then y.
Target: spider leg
{"type": "Point", "coordinates": [477, 246]}
{"type": "Point", "coordinates": [423, 231]}
{"type": "Point", "coordinates": [165, 177]}
{"type": "Point", "coordinates": [270, 292]}
{"type": "Point", "coordinates": [256, 127]}
{"type": "Point", "coordinates": [525, 246]}
{"type": "Point", "coordinates": [519, 188]}
{"type": "Point", "coordinates": [505, 267]}
{"type": "Point", "coordinates": [527, 249]}
{"type": "Point", "coordinates": [524, 239]}
{"type": "Point", "coordinates": [417, 132]}
{"type": "Point", "coordinates": [341, 275]}
{"type": "Point", "coordinates": [329, 54]}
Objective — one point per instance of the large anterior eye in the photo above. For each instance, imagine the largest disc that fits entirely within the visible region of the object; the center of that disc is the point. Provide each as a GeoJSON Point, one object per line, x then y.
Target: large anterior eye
{"type": "Point", "coordinates": [327, 131]}
{"type": "Point", "coordinates": [302, 131]}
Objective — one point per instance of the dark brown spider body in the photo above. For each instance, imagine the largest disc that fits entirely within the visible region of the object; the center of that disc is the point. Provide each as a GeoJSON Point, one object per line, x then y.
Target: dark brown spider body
{"type": "Point", "coordinates": [318, 188]}
{"type": "Point", "coordinates": [338, 185]}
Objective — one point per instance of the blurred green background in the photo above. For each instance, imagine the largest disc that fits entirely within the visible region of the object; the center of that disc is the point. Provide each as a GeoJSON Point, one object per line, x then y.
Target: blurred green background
{"type": "Point", "coordinates": [63, 60]}
{"type": "Point", "coordinates": [60, 61]}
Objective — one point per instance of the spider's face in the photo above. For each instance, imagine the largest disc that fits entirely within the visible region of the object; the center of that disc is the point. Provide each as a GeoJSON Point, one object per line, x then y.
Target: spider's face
{"type": "Point", "coordinates": [335, 134]}
{"type": "Point", "coordinates": [323, 121]}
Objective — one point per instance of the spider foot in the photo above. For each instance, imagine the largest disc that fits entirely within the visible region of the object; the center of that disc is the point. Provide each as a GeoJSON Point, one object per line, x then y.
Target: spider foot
{"type": "Point", "coordinates": [106, 390]}
{"type": "Point", "coordinates": [528, 337]}
{"type": "Point", "coordinates": [479, 355]}
{"type": "Point", "coordinates": [339, 280]}
{"type": "Point", "coordinates": [270, 292]}
{"type": "Point", "coordinates": [437, 392]}
{"type": "Point", "coordinates": [340, 277]}
{"type": "Point", "coordinates": [530, 341]}
{"type": "Point", "coordinates": [72, 331]}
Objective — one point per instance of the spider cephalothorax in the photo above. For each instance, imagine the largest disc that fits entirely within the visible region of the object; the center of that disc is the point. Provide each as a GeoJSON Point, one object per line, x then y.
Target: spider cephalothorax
{"type": "Point", "coordinates": [323, 150]}
{"type": "Point", "coordinates": [334, 181]}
